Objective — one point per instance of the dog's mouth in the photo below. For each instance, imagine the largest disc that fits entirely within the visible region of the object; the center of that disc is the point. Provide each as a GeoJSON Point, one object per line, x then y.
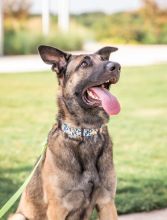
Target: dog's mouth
{"type": "Point", "coordinates": [99, 96]}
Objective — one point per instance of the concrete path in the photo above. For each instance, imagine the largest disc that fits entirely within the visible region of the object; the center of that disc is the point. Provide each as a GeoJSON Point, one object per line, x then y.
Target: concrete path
{"type": "Point", "coordinates": [26, 63]}
{"type": "Point", "coordinates": [154, 215]}
{"type": "Point", "coordinates": [136, 55]}
{"type": "Point", "coordinates": [126, 56]}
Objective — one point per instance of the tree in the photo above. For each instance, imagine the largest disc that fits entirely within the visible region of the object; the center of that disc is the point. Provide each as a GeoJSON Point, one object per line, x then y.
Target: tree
{"type": "Point", "coordinates": [1, 28]}
{"type": "Point", "coordinates": [150, 9]}
{"type": "Point", "coordinates": [17, 8]}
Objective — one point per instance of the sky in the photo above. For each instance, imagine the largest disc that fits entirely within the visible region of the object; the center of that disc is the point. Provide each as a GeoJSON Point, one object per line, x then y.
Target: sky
{"type": "Point", "coordinates": [80, 6]}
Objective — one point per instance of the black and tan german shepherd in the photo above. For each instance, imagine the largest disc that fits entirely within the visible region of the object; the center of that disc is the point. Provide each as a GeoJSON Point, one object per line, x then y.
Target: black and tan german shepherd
{"type": "Point", "coordinates": [77, 172]}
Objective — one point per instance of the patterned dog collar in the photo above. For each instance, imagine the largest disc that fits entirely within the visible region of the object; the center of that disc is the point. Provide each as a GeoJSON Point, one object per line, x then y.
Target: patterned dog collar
{"type": "Point", "coordinates": [79, 132]}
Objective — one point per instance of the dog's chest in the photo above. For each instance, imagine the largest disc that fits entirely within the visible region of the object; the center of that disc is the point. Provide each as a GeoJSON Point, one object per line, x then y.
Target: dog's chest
{"type": "Point", "coordinates": [76, 169]}
{"type": "Point", "coordinates": [89, 153]}
{"type": "Point", "coordinates": [76, 163]}
{"type": "Point", "coordinates": [80, 160]}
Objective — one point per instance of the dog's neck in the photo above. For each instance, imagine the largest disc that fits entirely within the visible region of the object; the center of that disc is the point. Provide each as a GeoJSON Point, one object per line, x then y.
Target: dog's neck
{"type": "Point", "coordinates": [79, 132]}
{"type": "Point", "coordinates": [80, 119]}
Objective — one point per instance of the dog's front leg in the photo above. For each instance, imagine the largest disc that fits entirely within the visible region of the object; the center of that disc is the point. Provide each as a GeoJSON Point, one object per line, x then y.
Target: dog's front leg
{"type": "Point", "coordinates": [56, 212]}
{"type": "Point", "coordinates": [108, 211]}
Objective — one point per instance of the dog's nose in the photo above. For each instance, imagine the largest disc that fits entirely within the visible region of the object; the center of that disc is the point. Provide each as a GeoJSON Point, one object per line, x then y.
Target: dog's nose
{"type": "Point", "coordinates": [111, 66]}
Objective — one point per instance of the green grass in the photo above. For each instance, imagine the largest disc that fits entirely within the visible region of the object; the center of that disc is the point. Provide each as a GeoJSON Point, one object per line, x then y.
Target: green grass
{"type": "Point", "coordinates": [27, 111]}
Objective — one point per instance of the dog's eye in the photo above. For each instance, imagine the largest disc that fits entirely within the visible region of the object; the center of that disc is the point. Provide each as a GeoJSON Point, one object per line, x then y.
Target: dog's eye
{"type": "Point", "coordinates": [84, 64]}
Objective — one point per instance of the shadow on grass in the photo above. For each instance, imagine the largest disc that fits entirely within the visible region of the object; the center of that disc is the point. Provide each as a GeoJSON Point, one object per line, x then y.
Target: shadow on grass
{"type": "Point", "coordinates": [142, 194]}
{"type": "Point", "coordinates": [9, 185]}
{"type": "Point", "coordinates": [133, 194]}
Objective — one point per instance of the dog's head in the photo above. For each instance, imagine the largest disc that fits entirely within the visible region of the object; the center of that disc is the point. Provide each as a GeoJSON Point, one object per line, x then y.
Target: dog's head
{"type": "Point", "coordinates": [85, 81]}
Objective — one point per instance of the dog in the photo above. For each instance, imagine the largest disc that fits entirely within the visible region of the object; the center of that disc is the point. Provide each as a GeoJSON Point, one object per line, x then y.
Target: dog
{"type": "Point", "coordinates": [77, 172]}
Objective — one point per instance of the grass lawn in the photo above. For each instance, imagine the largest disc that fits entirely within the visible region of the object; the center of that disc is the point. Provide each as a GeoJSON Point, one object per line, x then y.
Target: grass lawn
{"type": "Point", "coordinates": [27, 112]}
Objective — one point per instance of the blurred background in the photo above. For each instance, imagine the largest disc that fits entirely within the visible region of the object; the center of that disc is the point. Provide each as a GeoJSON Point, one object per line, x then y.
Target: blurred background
{"type": "Point", "coordinates": [28, 88]}
{"type": "Point", "coordinates": [70, 25]}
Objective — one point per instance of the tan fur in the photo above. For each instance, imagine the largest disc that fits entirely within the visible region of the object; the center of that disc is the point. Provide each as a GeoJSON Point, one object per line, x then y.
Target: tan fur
{"type": "Point", "coordinates": [76, 175]}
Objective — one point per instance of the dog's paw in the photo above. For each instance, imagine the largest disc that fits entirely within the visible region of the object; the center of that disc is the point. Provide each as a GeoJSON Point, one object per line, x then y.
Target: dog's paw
{"type": "Point", "coordinates": [17, 217]}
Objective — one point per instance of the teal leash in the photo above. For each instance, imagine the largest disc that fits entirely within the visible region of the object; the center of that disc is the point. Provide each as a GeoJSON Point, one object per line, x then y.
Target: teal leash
{"type": "Point", "coordinates": [18, 193]}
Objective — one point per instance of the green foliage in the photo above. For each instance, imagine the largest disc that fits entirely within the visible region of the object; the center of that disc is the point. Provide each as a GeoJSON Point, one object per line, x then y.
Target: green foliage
{"type": "Point", "coordinates": [19, 42]}
{"type": "Point", "coordinates": [163, 35]}
{"type": "Point", "coordinates": [25, 42]}
{"type": "Point", "coordinates": [127, 27]}
{"type": "Point", "coordinates": [27, 109]}
{"type": "Point", "coordinates": [148, 25]}
{"type": "Point", "coordinates": [24, 36]}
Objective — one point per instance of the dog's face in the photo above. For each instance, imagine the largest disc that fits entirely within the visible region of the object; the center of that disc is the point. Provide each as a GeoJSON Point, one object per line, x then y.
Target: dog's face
{"type": "Point", "coordinates": [85, 81]}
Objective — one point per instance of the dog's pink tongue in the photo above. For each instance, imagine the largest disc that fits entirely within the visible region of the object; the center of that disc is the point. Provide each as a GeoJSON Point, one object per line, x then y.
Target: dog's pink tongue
{"type": "Point", "coordinates": [109, 102]}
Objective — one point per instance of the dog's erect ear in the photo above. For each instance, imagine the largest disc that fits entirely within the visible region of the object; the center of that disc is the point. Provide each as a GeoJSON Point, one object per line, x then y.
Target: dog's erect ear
{"type": "Point", "coordinates": [105, 52]}
{"type": "Point", "coordinates": [57, 58]}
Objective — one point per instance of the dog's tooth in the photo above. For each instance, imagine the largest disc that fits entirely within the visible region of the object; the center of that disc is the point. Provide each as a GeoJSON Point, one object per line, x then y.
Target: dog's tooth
{"type": "Point", "coordinates": [89, 92]}
{"type": "Point", "coordinates": [92, 95]}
